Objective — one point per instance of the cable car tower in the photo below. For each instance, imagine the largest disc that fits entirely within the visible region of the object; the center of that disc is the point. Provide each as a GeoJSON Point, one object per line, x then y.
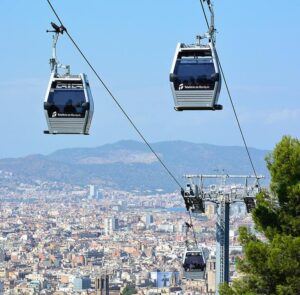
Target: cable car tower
{"type": "Point", "coordinates": [198, 192]}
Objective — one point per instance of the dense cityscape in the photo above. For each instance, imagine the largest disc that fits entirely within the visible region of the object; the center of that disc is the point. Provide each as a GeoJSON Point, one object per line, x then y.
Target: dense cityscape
{"type": "Point", "coordinates": [64, 239]}
{"type": "Point", "coordinates": [148, 149]}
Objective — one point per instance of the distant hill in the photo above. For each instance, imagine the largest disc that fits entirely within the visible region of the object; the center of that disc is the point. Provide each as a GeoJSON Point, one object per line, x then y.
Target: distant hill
{"type": "Point", "coordinates": [129, 165]}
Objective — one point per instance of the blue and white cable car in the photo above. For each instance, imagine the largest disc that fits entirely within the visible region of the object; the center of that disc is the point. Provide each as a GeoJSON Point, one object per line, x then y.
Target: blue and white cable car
{"type": "Point", "coordinates": [195, 73]}
{"type": "Point", "coordinates": [195, 78]}
{"type": "Point", "coordinates": [68, 102]}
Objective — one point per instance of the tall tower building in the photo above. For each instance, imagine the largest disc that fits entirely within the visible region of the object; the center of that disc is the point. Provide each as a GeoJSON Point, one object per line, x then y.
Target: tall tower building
{"type": "Point", "coordinates": [2, 253]}
{"type": "Point", "coordinates": [211, 274]}
{"type": "Point", "coordinates": [110, 225]}
{"type": "Point", "coordinates": [149, 220]}
{"type": "Point", "coordinates": [210, 210]}
{"type": "Point", "coordinates": [102, 285]}
{"type": "Point", "coordinates": [92, 192]}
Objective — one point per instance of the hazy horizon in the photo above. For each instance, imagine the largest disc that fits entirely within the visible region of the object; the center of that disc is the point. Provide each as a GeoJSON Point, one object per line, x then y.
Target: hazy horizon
{"type": "Point", "coordinates": [128, 140]}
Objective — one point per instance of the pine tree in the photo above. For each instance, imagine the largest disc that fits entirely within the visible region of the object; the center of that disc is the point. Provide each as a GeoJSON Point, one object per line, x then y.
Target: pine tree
{"type": "Point", "coordinates": [129, 290]}
{"type": "Point", "coordinates": [271, 265]}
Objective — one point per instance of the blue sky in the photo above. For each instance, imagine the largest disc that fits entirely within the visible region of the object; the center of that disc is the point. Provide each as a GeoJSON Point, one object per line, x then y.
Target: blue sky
{"type": "Point", "coordinates": [131, 44]}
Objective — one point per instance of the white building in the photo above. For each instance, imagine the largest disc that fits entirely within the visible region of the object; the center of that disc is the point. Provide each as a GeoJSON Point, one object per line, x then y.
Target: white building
{"type": "Point", "coordinates": [93, 192]}
{"type": "Point", "coordinates": [110, 225]}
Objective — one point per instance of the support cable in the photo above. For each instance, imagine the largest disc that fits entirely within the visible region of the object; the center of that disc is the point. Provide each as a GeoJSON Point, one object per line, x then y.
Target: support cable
{"type": "Point", "coordinates": [114, 98]}
{"type": "Point", "coordinates": [238, 122]}
{"type": "Point", "coordinates": [192, 226]}
{"type": "Point", "coordinates": [231, 101]}
{"type": "Point", "coordinates": [123, 111]}
{"type": "Point", "coordinates": [204, 13]}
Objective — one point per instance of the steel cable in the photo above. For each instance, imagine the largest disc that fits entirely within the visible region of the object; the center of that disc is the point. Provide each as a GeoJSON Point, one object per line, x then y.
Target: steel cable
{"type": "Point", "coordinates": [231, 101]}
{"type": "Point", "coordinates": [122, 110]}
{"type": "Point", "coordinates": [114, 98]}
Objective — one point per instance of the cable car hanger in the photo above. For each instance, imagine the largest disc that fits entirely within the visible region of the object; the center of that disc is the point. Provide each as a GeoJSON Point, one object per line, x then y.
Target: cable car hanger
{"type": "Point", "coordinates": [53, 61]}
{"type": "Point", "coordinates": [212, 30]}
{"type": "Point", "coordinates": [195, 75]}
{"type": "Point", "coordinates": [68, 103]}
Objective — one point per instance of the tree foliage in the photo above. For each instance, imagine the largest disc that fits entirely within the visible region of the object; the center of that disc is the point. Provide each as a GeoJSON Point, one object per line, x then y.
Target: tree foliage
{"type": "Point", "coordinates": [129, 290]}
{"type": "Point", "coordinates": [272, 265]}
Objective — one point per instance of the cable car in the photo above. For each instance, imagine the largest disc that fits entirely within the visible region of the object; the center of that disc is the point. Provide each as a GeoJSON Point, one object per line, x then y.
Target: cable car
{"type": "Point", "coordinates": [194, 265]}
{"type": "Point", "coordinates": [68, 105]}
{"type": "Point", "coordinates": [195, 73]}
{"type": "Point", "coordinates": [195, 77]}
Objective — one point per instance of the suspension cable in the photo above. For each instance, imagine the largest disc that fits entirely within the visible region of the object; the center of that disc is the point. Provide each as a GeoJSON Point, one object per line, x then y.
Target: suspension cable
{"type": "Point", "coordinates": [115, 99]}
{"type": "Point", "coordinates": [204, 13]}
{"type": "Point", "coordinates": [231, 101]}
{"type": "Point", "coordinates": [192, 226]}
{"type": "Point", "coordinates": [123, 111]}
{"type": "Point", "coordinates": [238, 122]}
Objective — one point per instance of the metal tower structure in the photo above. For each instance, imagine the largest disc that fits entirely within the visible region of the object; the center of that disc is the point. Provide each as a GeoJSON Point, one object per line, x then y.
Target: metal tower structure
{"type": "Point", "coordinates": [200, 190]}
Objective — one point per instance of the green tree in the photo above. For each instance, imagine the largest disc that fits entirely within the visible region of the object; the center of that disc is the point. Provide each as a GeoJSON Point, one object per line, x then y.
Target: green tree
{"type": "Point", "coordinates": [129, 290]}
{"type": "Point", "coordinates": [271, 265]}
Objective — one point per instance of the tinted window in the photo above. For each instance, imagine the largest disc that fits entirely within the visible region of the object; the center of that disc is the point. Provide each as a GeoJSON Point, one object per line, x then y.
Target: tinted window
{"type": "Point", "coordinates": [194, 262]}
{"type": "Point", "coordinates": [67, 102]}
{"type": "Point", "coordinates": [196, 68]}
{"type": "Point", "coordinates": [194, 72]}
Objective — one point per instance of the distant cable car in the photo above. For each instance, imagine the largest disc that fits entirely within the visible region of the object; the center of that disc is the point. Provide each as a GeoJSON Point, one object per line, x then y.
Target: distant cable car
{"type": "Point", "coordinates": [68, 102]}
{"type": "Point", "coordinates": [194, 265]}
{"type": "Point", "coordinates": [195, 74]}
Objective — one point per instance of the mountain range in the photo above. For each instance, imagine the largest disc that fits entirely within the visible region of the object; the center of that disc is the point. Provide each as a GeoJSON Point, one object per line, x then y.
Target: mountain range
{"type": "Point", "coordinates": [130, 165]}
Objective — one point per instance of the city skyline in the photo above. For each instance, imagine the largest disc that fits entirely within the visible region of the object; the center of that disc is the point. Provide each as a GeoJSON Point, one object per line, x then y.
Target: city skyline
{"type": "Point", "coordinates": [62, 240]}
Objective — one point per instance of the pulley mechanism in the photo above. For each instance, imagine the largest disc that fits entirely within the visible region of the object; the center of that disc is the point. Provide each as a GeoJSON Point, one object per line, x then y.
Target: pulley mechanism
{"type": "Point", "coordinates": [192, 198]}
{"type": "Point", "coordinates": [54, 64]}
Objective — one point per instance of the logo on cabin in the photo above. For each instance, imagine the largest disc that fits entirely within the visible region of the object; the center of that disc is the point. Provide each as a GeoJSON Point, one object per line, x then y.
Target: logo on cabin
{"type": "Point", "coordinates": [54, 114]}
{"type": "Point", "coordinates": [181, 86]}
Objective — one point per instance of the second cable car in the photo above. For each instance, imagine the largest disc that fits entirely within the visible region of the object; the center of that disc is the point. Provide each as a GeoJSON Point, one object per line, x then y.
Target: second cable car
{"type": "Point", "coordinates": [195, 73]}
{"type": "Point", "coordinates": [195, 78]}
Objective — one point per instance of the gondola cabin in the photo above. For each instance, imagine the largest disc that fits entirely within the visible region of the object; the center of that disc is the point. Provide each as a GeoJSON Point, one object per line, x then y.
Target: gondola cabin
{"type": "Point", "coordinates": [194, 265]}
{"type": "Point", "coordinates": [195, 78]}
{"type": "Point", "coordinates": [68, 105]}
